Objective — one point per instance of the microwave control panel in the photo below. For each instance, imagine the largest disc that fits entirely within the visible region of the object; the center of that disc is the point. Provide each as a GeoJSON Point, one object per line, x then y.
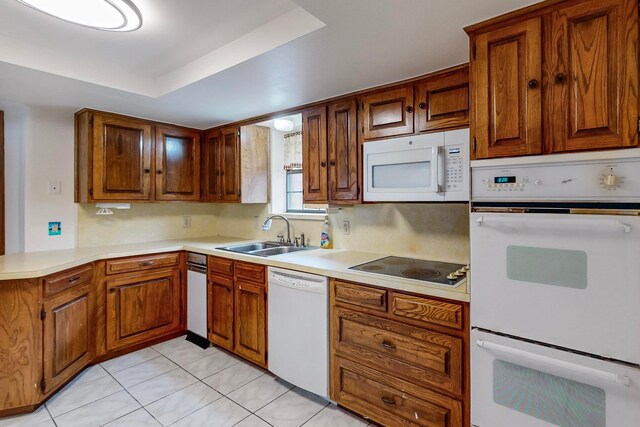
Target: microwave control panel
{"type": "Point", "coordinates": [454, 167]}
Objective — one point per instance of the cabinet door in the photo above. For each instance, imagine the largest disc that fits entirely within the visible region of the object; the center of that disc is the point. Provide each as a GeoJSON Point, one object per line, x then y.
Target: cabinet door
{"type": "Point", "coordinates": [314, 155]}
{"type": "Point", "coordinates": [230, 161]}
{"type": "Point", "coordinates": [177, 164]}
{"type": "Point", "coordinates": [250, 316]}
{"type": "Point", "coordinates": [212, 153]}
{"type": "Point", "coordinates": [343, 151]}
{"type": "Point", "coordinates": [388, 113]}
{"type": "Point", "coordinates": [68, 334]}
{"type": "Point", "coordinates": [121, 159]}
{"type": "Point", "coordinates": [141, 307]}
{"type": "Point", "coordinates": [591, 71]}
{"type": "Point", "coordinates": [443, 101]}
{"type": "Point", "coordinates": [507, 72]}
{"type": "Point", "coordinates": [221, 311]}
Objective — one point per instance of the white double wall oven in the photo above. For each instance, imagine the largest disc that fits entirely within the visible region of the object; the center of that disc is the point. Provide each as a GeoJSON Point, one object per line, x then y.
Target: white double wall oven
{"type": "Point", "coordinates": [555, 296]}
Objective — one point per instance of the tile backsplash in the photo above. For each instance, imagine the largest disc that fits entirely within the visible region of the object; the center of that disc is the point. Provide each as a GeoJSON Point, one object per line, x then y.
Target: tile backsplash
{"type": "Point", "coordinates": [432, 231]}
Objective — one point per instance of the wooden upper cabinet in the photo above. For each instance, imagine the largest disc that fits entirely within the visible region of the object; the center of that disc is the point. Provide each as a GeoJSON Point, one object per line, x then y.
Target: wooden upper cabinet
{"type": "Point", "coordinates": [314, 155]}
{"type": "Point", "coordinates": [508, 88]}
{"type": "Point", "coordinates": [443, 101]}
{"type": "Point", "coordinates": [591, 72]}
{"type": "Point", "coordinates": [342, 140]}
{"type": "Point", "coordinates": [212, 155]}
{"type": "Point", "coordinates": [68, 335]}
{"type": "Point", "coordinates": [230, 164]}
{"type": "Point", "coordinates": [121, 166]}
{"type": "Point", "coordinates": [177, 164]}
{"type": "Point", "coordinates": [142, 306]}
{"type": "Point", "coordinates": [388, 112]}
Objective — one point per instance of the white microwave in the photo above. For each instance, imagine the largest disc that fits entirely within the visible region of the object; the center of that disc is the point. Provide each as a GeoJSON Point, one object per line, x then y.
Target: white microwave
{"type": "Point", "coordinates": [430, 167]}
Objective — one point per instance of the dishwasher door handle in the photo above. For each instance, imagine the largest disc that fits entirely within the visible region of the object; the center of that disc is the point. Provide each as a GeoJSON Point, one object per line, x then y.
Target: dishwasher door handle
{"type": "Point", "coordinates": [197, 269]}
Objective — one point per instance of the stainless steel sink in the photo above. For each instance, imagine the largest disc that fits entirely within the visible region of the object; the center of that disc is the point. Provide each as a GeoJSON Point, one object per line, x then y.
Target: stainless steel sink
{"type": "Point", "coordinates": [265, 248]}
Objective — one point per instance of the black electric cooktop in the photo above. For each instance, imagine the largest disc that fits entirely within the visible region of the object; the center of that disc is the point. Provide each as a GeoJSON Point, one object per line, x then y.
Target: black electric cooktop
{"type": "Point", "coordinates": [442, 273]}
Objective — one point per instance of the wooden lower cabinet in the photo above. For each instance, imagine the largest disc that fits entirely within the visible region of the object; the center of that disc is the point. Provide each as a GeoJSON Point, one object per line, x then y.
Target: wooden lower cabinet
{"type": "Point", "coordinates": [68, 337]}
{"type": "Point", "coordinates": [220, 316]}
{"type": "Point", "coordinates": [238, 308]}
{"type": "Point", "coordinates": [250, 321]}
{"type": "Point", "coordinates": [391, 401]}
{"type": "Point", "coordinates": [399, 359]}
{"type": "Point", "coordinates": [141, 307]}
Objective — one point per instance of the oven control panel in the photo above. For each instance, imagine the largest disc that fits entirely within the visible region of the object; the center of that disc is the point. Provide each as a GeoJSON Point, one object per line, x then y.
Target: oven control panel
{"type": "Point", "coordinates": [602, 180]}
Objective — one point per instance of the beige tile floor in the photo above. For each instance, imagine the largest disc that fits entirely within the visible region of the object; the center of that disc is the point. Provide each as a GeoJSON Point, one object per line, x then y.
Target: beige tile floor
{"type": "Point", "coordinates": [177, 383]}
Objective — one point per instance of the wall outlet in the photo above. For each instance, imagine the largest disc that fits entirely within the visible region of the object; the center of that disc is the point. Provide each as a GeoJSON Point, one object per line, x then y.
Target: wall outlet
{"type": "Point", "coordinates": [186, 221]}
{"type": "Point", "coordinates": [54, 187]}
{"type": "Point", "coordinates": [346, 228]}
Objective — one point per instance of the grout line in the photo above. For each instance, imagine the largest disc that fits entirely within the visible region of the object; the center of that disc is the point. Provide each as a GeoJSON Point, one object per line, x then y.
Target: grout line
{"type": "Point", "coordinates": [82, 406]}
{"type": "Point", "coordinates": [51, 416]}
{"type": "Point", "coordinates": [129, 354]}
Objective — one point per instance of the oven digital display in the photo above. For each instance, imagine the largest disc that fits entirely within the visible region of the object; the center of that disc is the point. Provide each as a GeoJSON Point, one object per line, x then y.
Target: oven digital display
{"type": "Point", "coordinates": [504, 179]}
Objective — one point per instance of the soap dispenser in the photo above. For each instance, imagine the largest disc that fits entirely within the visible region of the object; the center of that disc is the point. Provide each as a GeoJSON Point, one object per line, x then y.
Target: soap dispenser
{"type": "Point", "coordinates": [326, 242]}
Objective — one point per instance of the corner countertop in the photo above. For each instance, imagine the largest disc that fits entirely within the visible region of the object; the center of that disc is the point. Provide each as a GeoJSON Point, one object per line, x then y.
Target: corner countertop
{"type": "Point", "coordinates": [331, 263]}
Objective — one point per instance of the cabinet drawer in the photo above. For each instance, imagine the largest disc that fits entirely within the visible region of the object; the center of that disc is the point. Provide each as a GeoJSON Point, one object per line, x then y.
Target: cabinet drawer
{"type": "Point", "coordinates": [221, 266]}
{"type": "Point", "coordinates": [390, 401]}
{"type": "Point", "coordinates": [67, 279]}
{"type": "Point", "coordinates": [360, 296]}
{"type": "Point", "coordinates": [426, 310]}
{"type": "Point", "coordinates": [146, 262]}
{"type": "Point", "coordinates": [426, 358]}
{"type": "Point", "coordinates": [251, 272]}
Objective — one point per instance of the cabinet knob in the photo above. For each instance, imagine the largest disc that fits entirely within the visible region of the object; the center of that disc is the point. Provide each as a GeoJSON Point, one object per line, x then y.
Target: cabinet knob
{"type": "Point", "coordinates": [159, 172]}
{"type": "Point", "coordinates": [422, 106]}
{"type": "Point", "coordinates": [323, 164]}
{"type": "Point", "coordinates": [217, 173]}
{"type": "Point", "coordinates": [332, 163]}
{"type": "Point", "coordinates": [147, 171]}
{"type": "Point", "coordinates": [409, 109]}
{"type": "Point", "coordinates": [560, 79]}
{"type": "Point", "coordinates": [533, 84]}
{"type": "Point", "coordinates": [221, 173]}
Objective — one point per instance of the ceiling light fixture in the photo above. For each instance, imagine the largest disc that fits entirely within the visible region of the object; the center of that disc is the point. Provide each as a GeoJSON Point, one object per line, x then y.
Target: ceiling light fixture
{"type": "Point", "coordinates": [107, 15]}
{"type": "Point", "coordinates": [283, 125]}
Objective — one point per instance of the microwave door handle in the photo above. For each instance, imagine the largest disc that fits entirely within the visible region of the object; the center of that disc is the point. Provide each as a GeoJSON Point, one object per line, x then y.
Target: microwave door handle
{"type": "Point", "coordinates": [438, 171]}
{"type": "Point", "coordinates": [529, 221]}
{"type": "Point", "coordinates": [560, 364]}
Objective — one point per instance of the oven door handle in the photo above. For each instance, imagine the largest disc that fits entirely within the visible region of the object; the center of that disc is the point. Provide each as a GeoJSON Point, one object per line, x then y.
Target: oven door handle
{"type": "Point", "coordinates": [609, 224]}
{"type": "Point", "coordinates": [560, 364]}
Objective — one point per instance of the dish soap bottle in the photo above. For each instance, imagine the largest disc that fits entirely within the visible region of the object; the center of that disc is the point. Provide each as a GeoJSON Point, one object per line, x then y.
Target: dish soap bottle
{"type": "Point", "coordinates": [325, 236]}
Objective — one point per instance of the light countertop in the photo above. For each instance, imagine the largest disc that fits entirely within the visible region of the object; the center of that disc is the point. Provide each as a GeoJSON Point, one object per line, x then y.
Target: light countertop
{"type": "Point", "coordinates": [326, 262]}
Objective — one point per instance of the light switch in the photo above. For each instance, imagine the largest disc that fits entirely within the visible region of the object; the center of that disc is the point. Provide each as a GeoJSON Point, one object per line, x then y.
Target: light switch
{"type": "Point", "coordinates": [54, 187]}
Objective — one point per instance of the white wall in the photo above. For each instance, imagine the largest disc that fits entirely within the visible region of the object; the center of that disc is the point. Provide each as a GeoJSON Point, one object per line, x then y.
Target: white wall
{"type": "Point", "coordinates": [49, 156]}
{"type": "Point", "coordinates": [15, 121]}
{"type": "Point", "coordinates": [38, 148]}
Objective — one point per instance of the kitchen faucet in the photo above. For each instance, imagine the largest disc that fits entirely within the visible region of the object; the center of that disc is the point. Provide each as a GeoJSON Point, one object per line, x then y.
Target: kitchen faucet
{"type": "Point", "coordinates": [267, 225]}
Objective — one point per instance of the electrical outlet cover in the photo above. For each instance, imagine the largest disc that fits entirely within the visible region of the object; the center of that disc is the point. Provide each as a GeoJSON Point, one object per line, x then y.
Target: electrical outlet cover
{"type": "Point", "coordinates": [55, 228]}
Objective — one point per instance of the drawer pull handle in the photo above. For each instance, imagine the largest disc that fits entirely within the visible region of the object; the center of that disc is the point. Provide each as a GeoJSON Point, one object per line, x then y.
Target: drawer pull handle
{"type": "Point", "coordinates": [146, 263]}
{"type": "Point", "coordinates": [74, 279]}
{"type": "Point", "coordinates": [388, 401]}
{"type": "Point", "coordinates": [388, 346]}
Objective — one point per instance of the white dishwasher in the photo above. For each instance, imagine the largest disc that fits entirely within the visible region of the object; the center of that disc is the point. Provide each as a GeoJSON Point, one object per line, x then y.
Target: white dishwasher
{"type": "Point", "coordinates": [298, 310]}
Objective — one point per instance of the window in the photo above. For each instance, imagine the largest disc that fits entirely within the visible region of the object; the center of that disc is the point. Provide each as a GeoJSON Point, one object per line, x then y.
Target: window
{"type": "Point", "coordinates": [294, 194]}
{"type": "Point", "coordinates": [285, 166]}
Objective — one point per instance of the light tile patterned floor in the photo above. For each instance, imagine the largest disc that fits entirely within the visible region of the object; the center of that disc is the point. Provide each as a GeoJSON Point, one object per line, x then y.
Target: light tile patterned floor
{"type": "Point", "coordinates": [179, 384]}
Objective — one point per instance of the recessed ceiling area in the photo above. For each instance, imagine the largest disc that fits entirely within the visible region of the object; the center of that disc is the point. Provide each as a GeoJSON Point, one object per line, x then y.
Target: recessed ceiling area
{"type": "Point", "coordinates": [202, 63]}
{"type": "Point", "coordinates": [180, 42]}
